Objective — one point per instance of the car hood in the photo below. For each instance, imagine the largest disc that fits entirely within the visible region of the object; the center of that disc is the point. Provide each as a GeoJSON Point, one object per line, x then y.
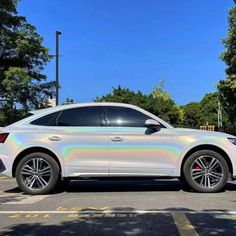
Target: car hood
{"type": "Point", "coordinates": [183, 131]}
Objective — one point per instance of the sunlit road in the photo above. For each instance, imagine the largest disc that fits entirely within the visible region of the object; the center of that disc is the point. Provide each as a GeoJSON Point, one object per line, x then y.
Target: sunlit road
{"type": "Point", "coordinates": [117, 208]}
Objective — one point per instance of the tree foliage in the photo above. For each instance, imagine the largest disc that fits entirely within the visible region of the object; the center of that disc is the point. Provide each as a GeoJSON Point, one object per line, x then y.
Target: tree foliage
{"type": "Point", "coordinates": [165, 107]}
{"type": "Point", "coordinates": [191, 115]}
{"type": "Point", "coordinates": [227, 87]}
{"type": "Point", "coordinates": [157, 102]}
{"type": "Point", "coordinates": [201, 113]}
{"type": "Point", "coordinates": [209, 109]}
{"type": "Point", "coordinates": [22, 59]}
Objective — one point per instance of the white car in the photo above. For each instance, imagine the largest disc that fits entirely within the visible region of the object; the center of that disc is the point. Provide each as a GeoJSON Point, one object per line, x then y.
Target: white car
{"type": "Point", "coordinates": [97, 140]}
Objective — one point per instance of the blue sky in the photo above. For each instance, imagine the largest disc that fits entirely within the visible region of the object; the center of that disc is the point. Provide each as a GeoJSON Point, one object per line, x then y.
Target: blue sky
{"type": "Point", "coordinates": [133, 43]}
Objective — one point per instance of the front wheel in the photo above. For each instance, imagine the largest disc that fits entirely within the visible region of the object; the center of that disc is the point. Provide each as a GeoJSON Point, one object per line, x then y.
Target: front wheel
{"type": "Point", "coordinates": [37, 173]}
{"type": "Point", "coordinates": [206, 171]}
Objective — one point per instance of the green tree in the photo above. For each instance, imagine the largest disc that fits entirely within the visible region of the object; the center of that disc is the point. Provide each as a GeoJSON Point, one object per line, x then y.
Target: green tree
{"type": "Point", "coordinates": [157, 102]}
{"type": "Point", "coordinates": [191, 115]}
{"type": "Point", "coordinates": [22, 59]}
{"type": "Point", "coordinates": [209, 109]}
{"type": "Point", "coordinates": [165, 107]}
{"type": "Point", "coordinates": [125, 95]}
{"type": "Point", "coordinates": [227, 87]}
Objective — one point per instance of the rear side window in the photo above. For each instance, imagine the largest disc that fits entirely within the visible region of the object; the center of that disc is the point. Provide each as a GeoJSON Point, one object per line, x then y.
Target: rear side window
{"type": "Point", "coordinates": [83, 116]}
{"type": "Point", "coordinates": [124, 117]}
{"type": "Point", "coordinates": [48, 120]}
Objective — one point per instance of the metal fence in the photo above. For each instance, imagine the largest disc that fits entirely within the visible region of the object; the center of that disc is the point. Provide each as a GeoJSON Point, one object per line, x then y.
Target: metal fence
{"type": "Point", "coordinates": [230, 129]}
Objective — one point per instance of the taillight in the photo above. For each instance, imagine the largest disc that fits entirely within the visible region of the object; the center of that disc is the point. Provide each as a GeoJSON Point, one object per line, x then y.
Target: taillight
{"type": "Point", "coordinates": [3, 137]}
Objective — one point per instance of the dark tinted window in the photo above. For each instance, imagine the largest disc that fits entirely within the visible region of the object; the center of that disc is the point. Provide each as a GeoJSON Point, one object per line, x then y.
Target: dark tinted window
{"type": "Point", "coordinates": [83, 116]}
{"type": "Point", "coordinates": [48, 120]}
{"type": "Point", "coordinates": [125, 117]}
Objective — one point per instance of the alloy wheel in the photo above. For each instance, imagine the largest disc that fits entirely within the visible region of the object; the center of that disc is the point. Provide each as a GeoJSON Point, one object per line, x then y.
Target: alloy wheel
{"type": "Point", "coordinates": [36, 174]}
{"type": "Point", "coordinates": [207, 171]}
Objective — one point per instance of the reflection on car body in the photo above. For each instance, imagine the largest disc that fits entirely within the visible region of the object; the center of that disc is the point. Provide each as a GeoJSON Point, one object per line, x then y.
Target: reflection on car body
{"type": "Point", "coordinates": [96, 140]}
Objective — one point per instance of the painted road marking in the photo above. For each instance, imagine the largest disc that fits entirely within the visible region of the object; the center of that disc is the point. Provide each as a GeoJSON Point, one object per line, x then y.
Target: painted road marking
{"type": "Point", "coordinates": [119, 212]}
{"type": "Point", "coordinates": [3, 177]}
{"type": "Point", "coordinates": [4, 194]}
{"type": "Point", "coordinates": [20, 199]}
{"type": "Point", "coordinates": [6, 178]}
{"type": "Point", "coordinates": [183, 225]}
{"type": "Point", "coordinates": [81, 209]}
{"type": "Point", "coordinates": [26, 200]}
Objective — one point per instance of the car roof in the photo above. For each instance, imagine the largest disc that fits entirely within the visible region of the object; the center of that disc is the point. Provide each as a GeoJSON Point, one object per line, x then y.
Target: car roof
{"type": "Point", "coordinates": [75, 105]}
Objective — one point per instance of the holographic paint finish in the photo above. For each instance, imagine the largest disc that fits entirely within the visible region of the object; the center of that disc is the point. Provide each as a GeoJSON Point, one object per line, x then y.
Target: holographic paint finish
{"type": "Point", "coordinates": [92, 151]}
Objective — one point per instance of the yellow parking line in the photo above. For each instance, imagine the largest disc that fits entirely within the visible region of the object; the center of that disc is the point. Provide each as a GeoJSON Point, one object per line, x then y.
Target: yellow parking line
{"type": "Point", "coordinates": [81, 209]}
{"type": "Point", "coordinates": [3, 177]}
{"type": "Point", "coordinates": [183, 225]}
{"type": "Point", "coordinates": [26, 200]}
{"type": "Point", "coordinates": [226, 216]}
{"type": "Point", "coordinates": [4, 194]}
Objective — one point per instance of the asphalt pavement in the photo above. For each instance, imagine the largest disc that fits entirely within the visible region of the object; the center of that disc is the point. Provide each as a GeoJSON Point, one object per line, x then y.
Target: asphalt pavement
{"type": "Point", "coordinates": [127, 207]}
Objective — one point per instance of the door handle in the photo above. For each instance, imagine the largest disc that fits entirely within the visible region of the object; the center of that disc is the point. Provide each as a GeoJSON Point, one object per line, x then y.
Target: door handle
{"type": "Point", "coordinates": [117, 139]}
{"type": "Point", "coordinates": [54, 138]}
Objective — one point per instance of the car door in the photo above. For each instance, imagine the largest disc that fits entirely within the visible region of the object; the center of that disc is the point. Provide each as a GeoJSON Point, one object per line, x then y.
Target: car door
{"type": "Point", "coordinates": [78, 136]}
{"type": "Point", "coordinates": [135, 150]}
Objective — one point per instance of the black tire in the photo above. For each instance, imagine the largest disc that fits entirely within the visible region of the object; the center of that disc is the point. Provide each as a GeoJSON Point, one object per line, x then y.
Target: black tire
{"type": "Point", "coordinates": [198, 187]}
{"type": "Point", "coordinates": [52, 180]}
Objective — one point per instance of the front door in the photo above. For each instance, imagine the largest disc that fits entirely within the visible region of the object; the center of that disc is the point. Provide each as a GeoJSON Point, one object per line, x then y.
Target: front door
{"type": "Point", "coordinates": [135, 150]}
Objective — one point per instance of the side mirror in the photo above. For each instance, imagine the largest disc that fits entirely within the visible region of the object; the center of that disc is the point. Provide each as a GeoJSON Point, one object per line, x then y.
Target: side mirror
{"type": "Point", "coordinates": [152, 124]}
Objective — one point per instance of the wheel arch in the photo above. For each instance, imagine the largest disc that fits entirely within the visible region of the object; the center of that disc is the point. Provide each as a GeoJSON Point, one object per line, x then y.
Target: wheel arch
{"type": "Point", "coordinates": [211, 148]}
{"type": "Point", "coordinates": [33, 150]}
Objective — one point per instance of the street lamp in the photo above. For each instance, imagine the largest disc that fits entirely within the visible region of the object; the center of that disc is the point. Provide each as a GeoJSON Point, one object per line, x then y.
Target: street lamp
{"type": "Point", "coordinates": [57, 67]}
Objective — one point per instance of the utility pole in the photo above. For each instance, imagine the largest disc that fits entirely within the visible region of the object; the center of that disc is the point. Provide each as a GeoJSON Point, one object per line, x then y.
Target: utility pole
{"type": "Point", "coordinates": [57, 67]}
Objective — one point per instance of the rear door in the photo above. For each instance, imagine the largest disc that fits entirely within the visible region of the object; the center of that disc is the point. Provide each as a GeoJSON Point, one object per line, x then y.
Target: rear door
{"type": "Point", "coordinates": [78, 136]}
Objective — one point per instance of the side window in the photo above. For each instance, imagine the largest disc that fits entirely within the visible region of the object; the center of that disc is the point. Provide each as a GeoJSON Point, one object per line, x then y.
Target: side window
{"type": "Point", "coordinates": [48, 120]}
{"type": "Point", "coordinates": [124, 117]}
{"type": "Point", "coordinates": [83, 116]}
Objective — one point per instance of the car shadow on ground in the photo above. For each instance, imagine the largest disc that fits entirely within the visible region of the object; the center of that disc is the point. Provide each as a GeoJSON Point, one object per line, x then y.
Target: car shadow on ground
{"type": "Point", "coordinates": [132, 185]}
{"type": "Point", "coordinates": [123, 186]}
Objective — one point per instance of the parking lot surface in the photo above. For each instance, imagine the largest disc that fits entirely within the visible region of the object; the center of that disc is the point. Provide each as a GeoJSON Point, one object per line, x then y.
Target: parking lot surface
{"type": "Point", "coordinates": [128, 207]}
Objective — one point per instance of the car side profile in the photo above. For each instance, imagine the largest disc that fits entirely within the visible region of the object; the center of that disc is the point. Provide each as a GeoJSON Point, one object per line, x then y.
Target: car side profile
{"type": "Point", "coordinates": [97, 140]}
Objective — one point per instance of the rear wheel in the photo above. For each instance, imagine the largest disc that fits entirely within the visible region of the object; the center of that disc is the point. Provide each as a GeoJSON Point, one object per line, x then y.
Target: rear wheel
{"type": "Point", "coordinates": [206, 171]}
{"type": "Point", "coordinates": [37, 173]}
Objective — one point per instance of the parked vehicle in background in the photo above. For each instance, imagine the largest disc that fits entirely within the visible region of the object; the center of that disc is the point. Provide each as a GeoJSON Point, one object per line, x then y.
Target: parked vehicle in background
{"type": "Point", "coordinates": [97, 140]}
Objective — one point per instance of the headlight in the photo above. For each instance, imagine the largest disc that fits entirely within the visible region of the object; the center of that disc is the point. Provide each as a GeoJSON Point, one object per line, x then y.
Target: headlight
{"type": "Point", "coordinates": [232, 140]}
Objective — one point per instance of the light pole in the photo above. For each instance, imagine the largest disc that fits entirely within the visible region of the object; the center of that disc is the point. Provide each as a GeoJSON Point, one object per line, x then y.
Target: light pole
{"type": "Point", "coordinates": [57, 67]}
{"type": "Point", "coordinates": [220, 123]}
